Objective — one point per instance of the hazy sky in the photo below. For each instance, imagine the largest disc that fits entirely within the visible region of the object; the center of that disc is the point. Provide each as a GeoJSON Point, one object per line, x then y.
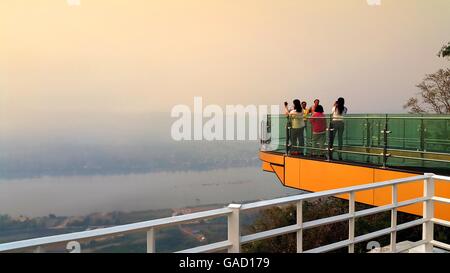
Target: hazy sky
{"type": "Point", "coordinates": [148, 55]}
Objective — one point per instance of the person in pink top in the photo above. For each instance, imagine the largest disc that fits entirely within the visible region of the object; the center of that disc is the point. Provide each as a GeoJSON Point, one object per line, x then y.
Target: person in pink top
{"type": "Point", "coordinates": [319, 127]}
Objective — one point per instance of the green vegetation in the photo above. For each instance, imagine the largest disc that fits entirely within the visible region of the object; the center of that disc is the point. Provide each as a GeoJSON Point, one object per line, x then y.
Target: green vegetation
{"type": "Point", "coordinates": [445, 51]}
{"type": "Point", "coordinates": [434, 96]}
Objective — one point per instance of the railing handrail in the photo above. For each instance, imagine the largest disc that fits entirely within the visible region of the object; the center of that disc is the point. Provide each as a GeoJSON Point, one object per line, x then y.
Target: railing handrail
{"type": "Point", "coordinates": [122, 229]}
{"type": "Point", "coordinates": [387, 150]}
{"type": "Point", "coordinates": [149, 226]}
{"type": "Point", "coordinates": [374, 116]}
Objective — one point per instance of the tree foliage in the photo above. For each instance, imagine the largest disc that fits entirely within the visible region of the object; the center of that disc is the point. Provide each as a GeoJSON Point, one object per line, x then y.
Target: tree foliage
{"type": "Point", "coordinates": [434, 96]}
{"type": "Point", "coordinates": [445, 51]}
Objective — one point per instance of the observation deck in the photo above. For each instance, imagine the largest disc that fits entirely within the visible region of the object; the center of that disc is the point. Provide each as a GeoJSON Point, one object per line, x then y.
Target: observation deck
{"type": "Point", "coordinates": [375, 148]}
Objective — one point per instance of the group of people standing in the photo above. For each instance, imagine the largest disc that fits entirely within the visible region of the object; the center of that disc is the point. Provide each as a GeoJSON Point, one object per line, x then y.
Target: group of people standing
{"type": "Point", "coordinates": [299, 115]}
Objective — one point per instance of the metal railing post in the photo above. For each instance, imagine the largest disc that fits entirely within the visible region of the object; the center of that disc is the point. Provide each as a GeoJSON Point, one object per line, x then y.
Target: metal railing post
{"type": "Point", "coordinates": [351, 222]}
{"type": "Point", "coordinates": [234, 233]}
{"type": "Point", "coordinates": [385, 142]}
{"type": "Point", "coordinates": [287, 135]}
{"type": "Point", "coordinates": [428, 213]}
{"type": "Point", "coordinates": [368, 138]}
{"type": "Point", "coordinates": [394, 218]}
{"type": "Point", "coordinates": [300, 224]}
{"type": "Point", "coordinates": [151, 248]}
{"type": "Point", "coordinates": [330, 138]}
{"type": "Point", "coordinates": [261, 134]}
{"type": "Point", "coordinates": [422, 135]}
{"type": "Point", "coordinates": [422, 140]}
{"type": "Point", "coordinates": [265, 126]}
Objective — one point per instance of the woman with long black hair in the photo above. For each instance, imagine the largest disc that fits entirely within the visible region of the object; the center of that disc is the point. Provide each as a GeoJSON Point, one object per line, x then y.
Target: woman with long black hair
{"type": "Point", "coordinates": [337, 123]}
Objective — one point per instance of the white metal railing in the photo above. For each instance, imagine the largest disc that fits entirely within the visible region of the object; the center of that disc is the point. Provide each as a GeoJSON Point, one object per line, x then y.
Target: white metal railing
{"type": "Point", "coordinates": [235, 240]}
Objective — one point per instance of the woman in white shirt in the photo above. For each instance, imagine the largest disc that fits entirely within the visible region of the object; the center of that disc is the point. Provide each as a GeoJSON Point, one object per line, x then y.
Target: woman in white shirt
{"type": "Point", "coordinates": [337, 123]}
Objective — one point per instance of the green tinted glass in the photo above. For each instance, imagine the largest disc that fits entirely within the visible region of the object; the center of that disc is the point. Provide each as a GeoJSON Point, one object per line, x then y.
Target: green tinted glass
{"type": "Point", "coordinates": [418, 142]}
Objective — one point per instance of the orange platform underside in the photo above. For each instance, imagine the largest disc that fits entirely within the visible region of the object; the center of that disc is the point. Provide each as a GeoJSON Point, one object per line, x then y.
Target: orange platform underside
{"type": "Point", "coordinates": [316, 176]}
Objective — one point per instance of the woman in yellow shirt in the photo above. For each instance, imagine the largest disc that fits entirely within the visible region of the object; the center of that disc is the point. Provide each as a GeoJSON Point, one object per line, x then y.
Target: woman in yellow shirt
{"type": "Point", "coordinates": [297, 128]}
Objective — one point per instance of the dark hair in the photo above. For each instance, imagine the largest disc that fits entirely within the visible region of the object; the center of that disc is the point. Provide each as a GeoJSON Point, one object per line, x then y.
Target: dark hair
{"type": "Point", "coordinates": [319, 108]}
{"type": "Point", "coordinates": [340, 105]}
{"type": "Point", "coordinates": [297, 106]}
{"type": "Point", "coordinates": [316, 100]}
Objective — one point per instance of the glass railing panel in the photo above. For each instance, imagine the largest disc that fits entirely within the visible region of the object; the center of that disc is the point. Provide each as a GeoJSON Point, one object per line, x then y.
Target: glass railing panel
{"type": "Point", "coordinates": [352, 132]}
{"type": "Point", "coordinates": [376, 126]}
{"type": "Point", "coordinates": [405, 133]}
{"type": "Point", "coordinates": [436, 135]}
{"type": "Point", "coordinates": [275, 134]}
